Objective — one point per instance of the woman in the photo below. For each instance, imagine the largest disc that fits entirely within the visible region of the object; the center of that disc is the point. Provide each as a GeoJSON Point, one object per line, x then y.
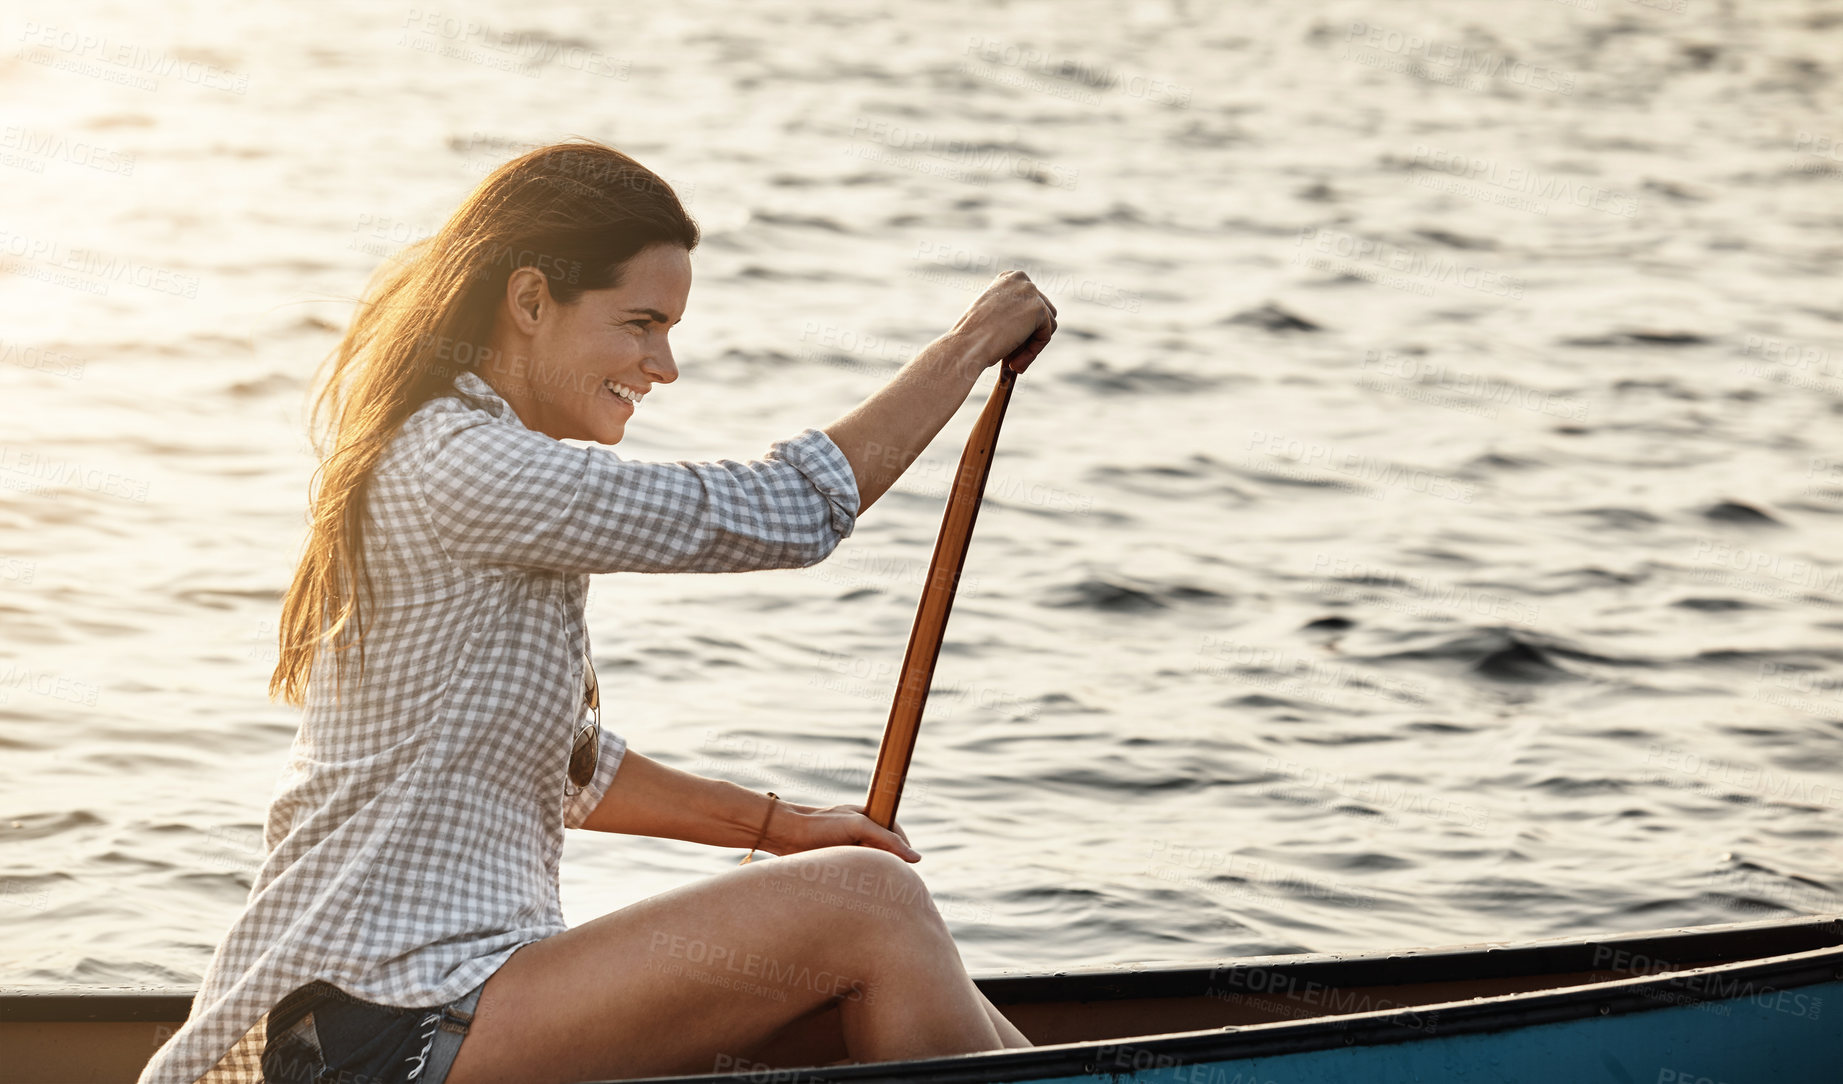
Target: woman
{"type": "Point", "coordinates": [434, 635]}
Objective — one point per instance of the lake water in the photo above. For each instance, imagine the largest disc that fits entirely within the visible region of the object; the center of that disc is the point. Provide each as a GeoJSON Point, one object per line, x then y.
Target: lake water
{"type": "Point", "coordinates": [1423, 529]}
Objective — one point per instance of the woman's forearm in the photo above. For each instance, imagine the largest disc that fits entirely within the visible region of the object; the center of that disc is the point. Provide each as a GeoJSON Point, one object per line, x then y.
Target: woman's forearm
{"type": "Point", "coordinates": [648, 798]}
{"type": "Point", "coordinates": [885, 433]}
{"type": "Point", "coordinates": [1011, 320]}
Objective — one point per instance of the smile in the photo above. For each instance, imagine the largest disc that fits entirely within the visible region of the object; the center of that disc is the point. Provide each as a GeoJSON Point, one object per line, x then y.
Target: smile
{"type": "Point", "coordinates": [622, 391]}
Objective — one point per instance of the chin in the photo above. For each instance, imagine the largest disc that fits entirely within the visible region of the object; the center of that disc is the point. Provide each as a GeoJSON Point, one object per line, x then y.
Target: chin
{"type": "Point", "coordinates": [597, 431]}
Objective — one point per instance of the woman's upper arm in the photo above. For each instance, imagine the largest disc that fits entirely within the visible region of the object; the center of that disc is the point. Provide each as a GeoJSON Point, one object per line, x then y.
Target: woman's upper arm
{"type": "Point", "coordinates": [510, 497]}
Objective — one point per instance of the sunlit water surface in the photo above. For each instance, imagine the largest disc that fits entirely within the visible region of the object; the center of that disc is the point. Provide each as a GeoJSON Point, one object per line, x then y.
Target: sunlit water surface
{"type": "Point", "coordinates": [1422, 530]}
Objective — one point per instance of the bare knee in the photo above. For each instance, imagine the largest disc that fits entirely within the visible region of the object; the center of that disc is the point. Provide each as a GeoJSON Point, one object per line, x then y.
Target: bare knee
{"type": "Point", "coordinates": [860, 885]}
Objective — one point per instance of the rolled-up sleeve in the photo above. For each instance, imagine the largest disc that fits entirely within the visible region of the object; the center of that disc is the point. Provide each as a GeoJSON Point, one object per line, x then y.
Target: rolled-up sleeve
{"type": "Point", "coordinates": [500, 495]}
{"type": "Point", "coordinates": [578, 806]}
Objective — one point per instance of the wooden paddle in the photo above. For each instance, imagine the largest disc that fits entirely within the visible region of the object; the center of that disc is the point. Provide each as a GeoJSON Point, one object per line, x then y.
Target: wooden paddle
{"type": "Point", "coordinates": [936, 601]}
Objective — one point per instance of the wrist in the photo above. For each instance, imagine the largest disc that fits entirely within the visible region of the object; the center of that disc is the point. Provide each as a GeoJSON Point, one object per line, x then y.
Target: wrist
{"type": "Point", "coordinates": [782, 827]}
{"type": "Point", "coordinates": [969, 352]}
{"type": "Point", "coordinates": [740, 816]}
{"type": "Point", "coordinates": [758, 839]}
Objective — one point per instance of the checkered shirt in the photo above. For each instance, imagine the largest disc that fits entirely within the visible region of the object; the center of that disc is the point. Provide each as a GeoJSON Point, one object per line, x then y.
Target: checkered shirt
{"type": "Point", "coordinates": [413, 838]}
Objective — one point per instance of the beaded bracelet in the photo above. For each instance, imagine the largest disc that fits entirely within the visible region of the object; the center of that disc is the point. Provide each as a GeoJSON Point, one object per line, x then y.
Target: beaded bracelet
{"type": "Point", "coordinates": [763, 834]}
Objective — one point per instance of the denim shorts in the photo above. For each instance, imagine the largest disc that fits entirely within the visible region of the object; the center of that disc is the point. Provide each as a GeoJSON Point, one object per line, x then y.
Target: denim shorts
{"type": "Point", "coordinates": [322, 1035]}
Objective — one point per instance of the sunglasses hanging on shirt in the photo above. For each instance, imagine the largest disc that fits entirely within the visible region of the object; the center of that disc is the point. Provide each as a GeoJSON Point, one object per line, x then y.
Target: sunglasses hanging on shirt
{"type": "Point", "coordinates": [586, 752]}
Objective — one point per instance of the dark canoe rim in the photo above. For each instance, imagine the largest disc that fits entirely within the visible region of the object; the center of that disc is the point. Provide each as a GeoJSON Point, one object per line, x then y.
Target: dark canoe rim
{"type": "Point", "coordinates": [1769, 959]}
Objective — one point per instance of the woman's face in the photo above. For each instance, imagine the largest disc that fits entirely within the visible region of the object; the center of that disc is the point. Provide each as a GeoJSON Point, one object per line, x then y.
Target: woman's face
{"type": "Point", "coordinates": [572, 371]}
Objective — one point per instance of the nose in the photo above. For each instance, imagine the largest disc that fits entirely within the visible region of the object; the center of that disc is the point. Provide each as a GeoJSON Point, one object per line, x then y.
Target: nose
{"type": "Point", "coordinates": [660, 367]}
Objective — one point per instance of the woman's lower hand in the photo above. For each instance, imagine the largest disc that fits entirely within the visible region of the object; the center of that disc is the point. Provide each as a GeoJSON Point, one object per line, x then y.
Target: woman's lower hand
{"type": "Point", "coordinates": [795, 828]}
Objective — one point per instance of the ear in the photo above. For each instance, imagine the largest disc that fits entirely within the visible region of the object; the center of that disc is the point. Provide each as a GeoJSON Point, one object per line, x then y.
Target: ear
{"type": "Point", "coordinates": [527, 296]}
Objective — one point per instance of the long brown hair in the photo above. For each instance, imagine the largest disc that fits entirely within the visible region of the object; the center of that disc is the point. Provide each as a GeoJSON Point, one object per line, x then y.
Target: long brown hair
{"type": "Point", "coordinates": [577, 212]}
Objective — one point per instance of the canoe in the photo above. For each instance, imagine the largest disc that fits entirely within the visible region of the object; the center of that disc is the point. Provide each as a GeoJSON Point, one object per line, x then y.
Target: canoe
{"type": "Point", "coordinates": [1759, 1001]}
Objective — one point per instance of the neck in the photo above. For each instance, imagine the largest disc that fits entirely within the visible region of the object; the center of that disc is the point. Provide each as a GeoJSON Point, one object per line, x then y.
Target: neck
{"type": "Point", "coordinates": [506, 367]}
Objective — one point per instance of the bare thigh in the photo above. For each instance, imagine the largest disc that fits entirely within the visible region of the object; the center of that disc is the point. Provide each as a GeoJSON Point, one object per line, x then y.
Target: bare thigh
{"type": "Point", "coordinates": [673, 983]}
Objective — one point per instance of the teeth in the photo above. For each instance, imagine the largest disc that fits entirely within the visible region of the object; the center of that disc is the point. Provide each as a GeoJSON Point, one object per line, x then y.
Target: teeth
{"type": "Point", "coordinates": [624, 392]}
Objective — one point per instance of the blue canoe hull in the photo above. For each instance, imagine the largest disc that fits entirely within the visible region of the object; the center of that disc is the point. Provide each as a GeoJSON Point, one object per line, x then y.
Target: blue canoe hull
{"type": "Point", "coordinates": [1736, 1041]}
{"type": "Point", "coordinates": [1738, 1004]}
{"type": "Point", "coordinates": [1750, 1002]}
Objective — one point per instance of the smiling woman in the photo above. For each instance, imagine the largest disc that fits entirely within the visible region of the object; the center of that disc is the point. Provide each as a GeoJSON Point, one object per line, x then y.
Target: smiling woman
{"type": "Point", "coordinates": [409, 896]}
{"type": "Point", "coordinates": [600, 355]}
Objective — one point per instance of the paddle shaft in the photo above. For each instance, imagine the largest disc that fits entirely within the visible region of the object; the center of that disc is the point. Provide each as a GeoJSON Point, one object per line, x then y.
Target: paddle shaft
{"type": "Point", "coordinates": [936, 602]}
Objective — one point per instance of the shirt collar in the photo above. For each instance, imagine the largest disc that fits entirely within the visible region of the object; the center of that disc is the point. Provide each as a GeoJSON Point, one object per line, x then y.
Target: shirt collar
{"type": "Point", "coordinates": [475, 385]}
